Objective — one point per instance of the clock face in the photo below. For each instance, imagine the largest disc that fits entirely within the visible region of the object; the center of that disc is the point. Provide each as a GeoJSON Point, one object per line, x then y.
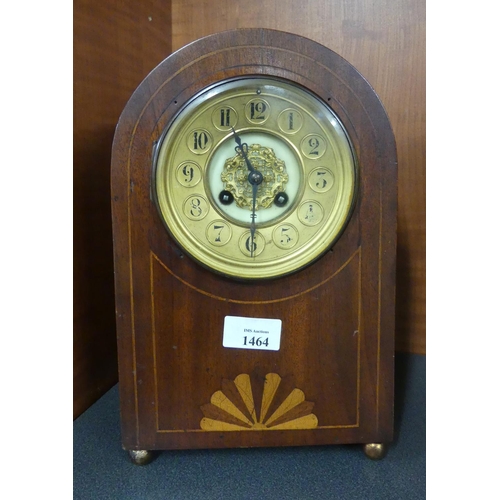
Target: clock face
{"type": "Point", "coordinates": [255, 178]}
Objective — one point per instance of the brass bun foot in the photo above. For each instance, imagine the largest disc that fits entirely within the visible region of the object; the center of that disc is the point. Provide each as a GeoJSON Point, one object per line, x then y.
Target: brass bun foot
{"type": "Point", "coordinates": [375, 451]}
{"type": "Point", "coordinates": [140, 457]}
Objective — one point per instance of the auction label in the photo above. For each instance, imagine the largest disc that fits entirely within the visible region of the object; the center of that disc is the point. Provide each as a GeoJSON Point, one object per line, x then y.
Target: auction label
{"type": "Point", "coordinates": [252, 333]}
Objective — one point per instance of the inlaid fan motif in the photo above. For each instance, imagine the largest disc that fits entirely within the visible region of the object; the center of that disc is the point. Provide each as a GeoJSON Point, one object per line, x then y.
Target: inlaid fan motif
{"type": "Point", "coordinates": [250, 403]}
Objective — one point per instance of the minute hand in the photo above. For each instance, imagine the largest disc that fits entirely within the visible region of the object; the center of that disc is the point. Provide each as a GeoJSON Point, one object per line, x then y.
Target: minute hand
{"type": "Point", "coordinates": [254, 178]}
{"type": "Point", "coordinates": [252, 216]}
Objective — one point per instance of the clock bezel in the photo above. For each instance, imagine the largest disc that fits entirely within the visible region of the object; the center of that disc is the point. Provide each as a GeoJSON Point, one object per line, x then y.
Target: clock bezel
{"type": "Point", "coordinates": [255, 274]}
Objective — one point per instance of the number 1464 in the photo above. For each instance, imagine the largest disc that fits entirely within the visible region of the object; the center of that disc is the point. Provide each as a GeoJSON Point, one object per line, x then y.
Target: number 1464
{"type": "Point", "coordinates": [255, 341]}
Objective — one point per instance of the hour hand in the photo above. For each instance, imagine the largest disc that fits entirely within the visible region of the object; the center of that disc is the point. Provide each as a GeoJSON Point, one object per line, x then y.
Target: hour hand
{"type": "Point", "coordinates": [242, 149]}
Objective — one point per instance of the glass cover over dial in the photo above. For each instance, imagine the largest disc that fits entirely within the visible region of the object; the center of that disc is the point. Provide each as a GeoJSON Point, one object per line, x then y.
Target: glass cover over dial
{"type": "Point", "coordinates": [255, 177]}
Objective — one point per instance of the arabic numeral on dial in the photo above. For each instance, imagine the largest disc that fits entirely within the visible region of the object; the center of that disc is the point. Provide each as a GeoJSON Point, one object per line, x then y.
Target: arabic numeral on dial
{"type": "Point", "coordinates": [250, 245]}
{"type": "Point", "coordinates": [225, 117]}
{"type": "Point", "coordinates": [196, 210]}
{"type": "Point", "coordinates": [195, 207]}
{"type": "Point", "coordinates": [285, 238]}
{"type": "Point", "coordinates": [321, 180]}
{"type": "Point", "coordinates": [188, 174]}
{"type": "Point", "coordinates": [258, 110]}
{"type": "Point", "coordinates": [218, 233]}
{"type": "Point", "coordinates": [200, 141]}
{"type": "Point", "coordinates": [290, 121]}
{"type": "Point", "coordinates": [314, 145]}
{"type": "Point", "coordinates": [310, 213]}
{"type": "Point", "coordinates": [188, 171]}
{"type": "Point", "coordinates": [321, 184]}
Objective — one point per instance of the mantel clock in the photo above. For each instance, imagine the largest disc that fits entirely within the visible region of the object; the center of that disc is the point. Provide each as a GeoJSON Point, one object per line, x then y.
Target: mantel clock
{"type": "Point", "coordinates": [254, 223]}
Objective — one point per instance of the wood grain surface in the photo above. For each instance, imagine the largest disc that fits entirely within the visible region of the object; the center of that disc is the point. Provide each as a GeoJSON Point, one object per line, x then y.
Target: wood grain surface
{"type": "Point", "coordinates": [385, 41]}
{"type": "Point", "coordinates": [115, 46]}
{"type": "Point", "coordinates": [338, 313]}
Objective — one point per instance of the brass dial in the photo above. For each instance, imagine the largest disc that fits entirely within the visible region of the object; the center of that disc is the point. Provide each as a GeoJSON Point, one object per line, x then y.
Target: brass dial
{"type": "Point", "coordinates": [255, 177]}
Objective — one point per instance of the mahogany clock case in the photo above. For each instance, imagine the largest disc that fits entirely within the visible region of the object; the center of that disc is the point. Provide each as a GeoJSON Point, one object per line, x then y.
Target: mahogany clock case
{"type": "Point", "coordinates": [331, 381]}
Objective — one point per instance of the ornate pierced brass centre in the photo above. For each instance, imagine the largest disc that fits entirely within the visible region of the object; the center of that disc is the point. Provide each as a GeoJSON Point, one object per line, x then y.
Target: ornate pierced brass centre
{"type": "Point", "coordinates": [235, 177]}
